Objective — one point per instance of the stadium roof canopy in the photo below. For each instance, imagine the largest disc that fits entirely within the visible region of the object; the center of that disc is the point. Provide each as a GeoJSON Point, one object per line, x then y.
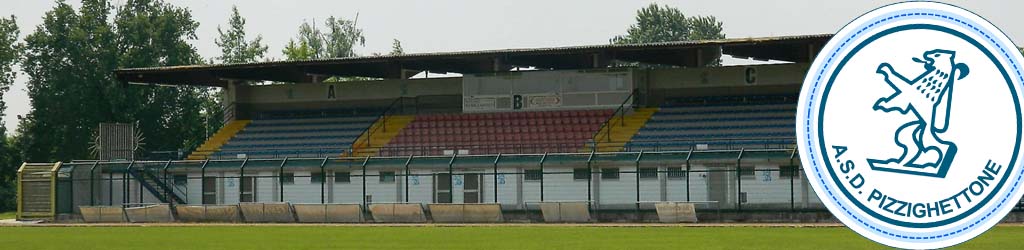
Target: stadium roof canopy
{"type": "Point", "coordinates": [683, 54]}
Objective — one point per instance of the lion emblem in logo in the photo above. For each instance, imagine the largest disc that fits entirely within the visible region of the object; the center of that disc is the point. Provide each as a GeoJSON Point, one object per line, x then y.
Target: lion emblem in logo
{"type": "Point", "coordinates": [927, 97]}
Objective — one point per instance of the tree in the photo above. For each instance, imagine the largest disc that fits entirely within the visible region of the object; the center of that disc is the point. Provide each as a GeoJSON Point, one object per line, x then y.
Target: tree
{"type": "Point", "coordinates": [705, 28]}
{"type": "Point", "coordinates": [234, 46]}
{"type": "Point", "coordinates": [69, 59]}
{"type": "Point", "coordinates": [656, 23]}
{"type": "Point", "coordinates": [339, 40]}
{"type": "Point", "coordinates": [342, 38]}
{"type": "Point", "coordinates": [396, 48]}
{"type": "Point", "coordinates": [151, 33]}
{"type": "Point", "coordinates": [10, 52]}
{"type": "Point", "coordinates": [298, 50]}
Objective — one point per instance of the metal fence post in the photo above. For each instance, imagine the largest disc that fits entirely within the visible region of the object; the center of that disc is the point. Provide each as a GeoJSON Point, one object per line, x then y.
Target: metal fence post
{"type": "Point", "coordinates": [92, 184]}
{"type": "Point", "coordinates": [202, 182]}
{"type": "Point", "coordinates": [590, 181]}
{"type": "Point", "coordinates": [739, 181]}
{"type": "Point", "coordinates": [688, 172]}
{"type": "Point", "coordinates": [792, 181]}
{"type": "Point", "coordinates": [166, 195]}
{"type": "Point", "coordinates": [280, 180]}
{"type": "Point", "coordinates": [241, 179]}
{"type": "Point", "coordinates": [110, 188]}
{"type": "Point", "coordinates": [139, 182]}
{"type": "Point", "coordinates": [71, 187]}
{"type": "Point", "coordinates": [496, 160]}
{"type": "Point", "coordinates": [406, 182]}
{"type": "Point", "coordinates": [323, 181]}
{"type": "Point", "coordinates": [636, 177]}
{"type": "Point", "coordinates": [364, 181]}
{"type": "Point", "coordinates": [125, 198]}
{"type": "Point", "coordinates": [451, 178]}
{"type": "Point", "coordinates": [542, 159]}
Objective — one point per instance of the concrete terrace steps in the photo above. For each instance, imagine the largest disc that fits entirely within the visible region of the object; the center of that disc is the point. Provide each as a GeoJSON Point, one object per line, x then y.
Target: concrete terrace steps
{"type": "Point", "coordinates": [217, 140]}
{"type": "Point", "coordinates": [380, 137]}
{"type": "Point", "coordinates": [623, 129]}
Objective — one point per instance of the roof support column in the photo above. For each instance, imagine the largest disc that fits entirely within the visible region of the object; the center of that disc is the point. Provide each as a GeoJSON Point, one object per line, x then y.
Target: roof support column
{"type": "Point", "coordinates": [699, 58]}
{"type": "Point", "coordinates": [498, 64]}
{"type": "Point", "coordinates": [811, 53]}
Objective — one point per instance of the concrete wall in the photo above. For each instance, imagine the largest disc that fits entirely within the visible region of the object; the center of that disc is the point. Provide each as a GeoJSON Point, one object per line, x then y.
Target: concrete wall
{"type": "Point", "coordinates": [655, 85]}
{"type": "Point", "coordinates": [348, 91]}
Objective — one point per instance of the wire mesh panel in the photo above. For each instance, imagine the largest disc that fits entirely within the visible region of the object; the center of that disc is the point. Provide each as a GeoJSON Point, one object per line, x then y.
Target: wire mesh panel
{"type": "Point", "coordinates": [715, 178]}
{"type": "Point", "coordinates": [670, 170]}
{"type": "Point", "coordinates": [342, 184]}
{"type": "Point", "coordinates": [186, 180]}
{"type": "Point", "coordinates": [763, 183]}
{"type": "Point", "coordinates": [567, 178]}
{"type": "Point", "coordinates": [78, 188]}
{"type": "Point", "coordinates": [606, 184]}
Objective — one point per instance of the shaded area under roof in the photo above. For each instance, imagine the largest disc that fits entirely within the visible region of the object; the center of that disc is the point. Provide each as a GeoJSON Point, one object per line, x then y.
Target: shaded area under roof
{"type": "Point", "coordinates": [682, 54]}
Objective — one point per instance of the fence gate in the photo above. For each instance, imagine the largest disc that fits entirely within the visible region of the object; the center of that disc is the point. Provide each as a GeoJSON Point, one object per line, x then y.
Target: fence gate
{"type": "Point", "coordinates": [37, 185]}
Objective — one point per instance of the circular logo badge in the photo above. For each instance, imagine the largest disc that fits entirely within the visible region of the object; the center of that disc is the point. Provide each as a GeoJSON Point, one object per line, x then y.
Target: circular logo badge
{"type": "Point", "coordinates": [909, 125]}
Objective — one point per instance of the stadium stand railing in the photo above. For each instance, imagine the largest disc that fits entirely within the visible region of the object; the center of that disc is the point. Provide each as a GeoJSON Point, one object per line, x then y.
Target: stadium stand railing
{"type": "Point", "coordinates": [604, 132]}
{"type": "Point", "coordinates": [363, 145]}
{"type": "Point", "coordinates": [628, 181]}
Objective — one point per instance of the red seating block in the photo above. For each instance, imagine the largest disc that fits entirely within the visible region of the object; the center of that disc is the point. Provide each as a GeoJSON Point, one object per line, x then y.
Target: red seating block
{"type": "Point", "coordinates": [505, 132]}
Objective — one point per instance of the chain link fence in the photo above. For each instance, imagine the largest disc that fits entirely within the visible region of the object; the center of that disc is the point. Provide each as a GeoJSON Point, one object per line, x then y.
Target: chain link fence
{"type": "Point", "coordinates": [731, 180]}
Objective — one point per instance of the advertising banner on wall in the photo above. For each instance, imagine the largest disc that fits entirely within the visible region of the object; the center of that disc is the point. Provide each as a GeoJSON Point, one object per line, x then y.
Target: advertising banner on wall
{"type": "Point", "coordinates": [545, 90]}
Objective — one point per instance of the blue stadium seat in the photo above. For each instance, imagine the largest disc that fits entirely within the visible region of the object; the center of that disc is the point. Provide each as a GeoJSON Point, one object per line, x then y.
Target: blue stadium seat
{"type": "Point", "coordinates": [297, 135]}
{"type": "Point", "coordinates": [726, 122]}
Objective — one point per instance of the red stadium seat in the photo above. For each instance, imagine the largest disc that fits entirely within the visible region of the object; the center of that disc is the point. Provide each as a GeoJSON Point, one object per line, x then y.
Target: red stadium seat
{"type": "Point", "coordinates": [504, 132]}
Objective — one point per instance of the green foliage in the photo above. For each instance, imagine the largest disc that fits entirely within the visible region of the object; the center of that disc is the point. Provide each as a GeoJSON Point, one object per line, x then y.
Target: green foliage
{"type": "Point", "coordinates": [10, 53]}
{"type": "Point", "coordinates": [342, 37]}
{"type": "Point", "coordinates": [705, 28]}
{"type": "Point", "coordinates": [298, 50]}
{"type": "Point", "coordinates": [69, 59]}
{"type": "Point", "coordinates": [656, 23]}
{"type": "Point", "coordinates": [338, 40]}
{"type": "Point", "coordinates": [233, 44]}
{"type": "Point", "coordinates": [396, 48]}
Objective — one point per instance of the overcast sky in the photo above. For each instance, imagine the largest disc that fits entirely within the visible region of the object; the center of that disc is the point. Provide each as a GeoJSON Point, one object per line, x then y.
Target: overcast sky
{"type": "Point", "coordinates": [456, 25]}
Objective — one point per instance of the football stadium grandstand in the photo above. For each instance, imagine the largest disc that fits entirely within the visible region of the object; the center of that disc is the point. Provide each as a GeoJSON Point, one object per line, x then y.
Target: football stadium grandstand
{"type": "Point", "coordinates": [639, 132]}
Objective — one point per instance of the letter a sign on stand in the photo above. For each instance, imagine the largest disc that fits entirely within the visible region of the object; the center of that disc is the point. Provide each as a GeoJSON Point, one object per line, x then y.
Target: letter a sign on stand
{"type": "Point", "coordinates": [909, 125]}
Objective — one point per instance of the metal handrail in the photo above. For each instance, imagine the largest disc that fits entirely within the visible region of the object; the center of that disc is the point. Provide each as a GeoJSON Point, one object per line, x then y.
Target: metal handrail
{"type": "Point", "coordinates": [620, 111]}
{"type": "Point", "coordinates": [383, 118]}
{"type": "Point", "coordinates": [279, 152]}
{"type": "Point", "coordinates": [389, 150]}
{"type": "Point", "coordinates": [228, 113]}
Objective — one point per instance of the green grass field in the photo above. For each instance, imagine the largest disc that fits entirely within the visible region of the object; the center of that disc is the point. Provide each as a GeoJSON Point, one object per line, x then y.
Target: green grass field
{"type": "Point", "coordinates": [468, 237]}
{"type": "Point", "coordinates": [8, 215]}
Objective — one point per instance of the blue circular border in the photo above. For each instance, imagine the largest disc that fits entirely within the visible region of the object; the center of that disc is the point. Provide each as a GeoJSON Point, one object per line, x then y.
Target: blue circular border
{"type": "Point", "coordinates": [811, 149]}
{"type": "Point", "coordinates": [824, 101]}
